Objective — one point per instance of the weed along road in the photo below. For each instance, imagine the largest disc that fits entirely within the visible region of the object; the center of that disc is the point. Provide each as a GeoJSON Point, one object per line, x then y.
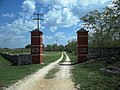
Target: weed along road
{"type": "Point", "coordinates": [60, 80]}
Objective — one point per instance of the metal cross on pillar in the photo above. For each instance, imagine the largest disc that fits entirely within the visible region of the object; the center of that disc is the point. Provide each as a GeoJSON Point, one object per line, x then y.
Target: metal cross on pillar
{"type": "Point", "coordinates": [36, 42]}
{"type": "Point", "coordinates": [38, 19]}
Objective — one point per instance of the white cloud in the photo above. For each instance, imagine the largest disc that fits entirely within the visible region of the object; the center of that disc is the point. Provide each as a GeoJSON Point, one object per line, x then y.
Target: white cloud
{"type": "Point", "coordinates": [19, 26]}
{"type": "Point", "coordinates": [66, 13]}
{"type": "Point", "coordinates": [60, 18]}
{"type": "Point", "coordinates": [85, 6]}
{"type": "Point", "coordinates": [53, 29]}
{"type": "Point", "coordinates": [63, 3]}
{"type": "Point", "coordinates": [60, 35]}
{"type": "Point", "coordinates": [48, 37]}
{"type": "Point", "coordinates": [10, 40]}
{"type": "Point", "coordinates": [75, 3]}
{"type": "Point", "coordinates": [14, 33]}
{"type": "Point", "coordinates": [61, 13]}
{"type": "Point", "coordinates": [29, 5]}
{"type": "Point", "coordinates": [10, 15]}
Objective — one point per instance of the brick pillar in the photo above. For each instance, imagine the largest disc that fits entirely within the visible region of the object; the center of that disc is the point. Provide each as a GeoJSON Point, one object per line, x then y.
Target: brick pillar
{"type": "Point", "coordinates": [82, 44]}
{"type": "Point", "coordinates": [36, 46]}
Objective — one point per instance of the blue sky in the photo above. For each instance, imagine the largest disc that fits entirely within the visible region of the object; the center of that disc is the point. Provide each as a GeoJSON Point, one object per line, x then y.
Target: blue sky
{"type": "Point", "coordinates": [61, 19]}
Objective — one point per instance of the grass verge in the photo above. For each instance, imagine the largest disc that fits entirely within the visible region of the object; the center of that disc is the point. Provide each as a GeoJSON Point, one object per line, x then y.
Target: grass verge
{"type": "Point", "coordinates": [52, 72]}
{"type": "Point", "coordinates": [63, 59]}
{"type": "Point", "coordinates": [88, 76]}
{"type": "Point", "coordinates": [73, 58]}
{"type": "Point", "coordinates": [10, 74]}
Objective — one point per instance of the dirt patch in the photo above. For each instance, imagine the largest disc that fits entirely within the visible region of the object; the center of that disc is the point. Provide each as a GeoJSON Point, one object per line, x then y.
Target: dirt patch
{"type": "Point", "coordinates": [36, 81]}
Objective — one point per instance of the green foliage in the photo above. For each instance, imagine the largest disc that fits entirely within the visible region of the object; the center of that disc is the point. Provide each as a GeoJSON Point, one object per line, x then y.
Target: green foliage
{"type": "Point", "coordinates": [28, 46]}
{"type": "Point", "coordinates": [105, 26]}
{"type": "Point", "coordinates": [72, 47]}
{"type": "Point", "coordinates": [54, 47]}
{"type": "Point", "coordinates": [60, 48]}
{"type": "Point", "coordinates": [48, 48]}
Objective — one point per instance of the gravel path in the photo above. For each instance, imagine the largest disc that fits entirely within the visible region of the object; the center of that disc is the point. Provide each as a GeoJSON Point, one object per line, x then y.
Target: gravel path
{"type": "Point", "coordinates": [63, 77]}
{"type": "Point", "coordinates": [36, 81]}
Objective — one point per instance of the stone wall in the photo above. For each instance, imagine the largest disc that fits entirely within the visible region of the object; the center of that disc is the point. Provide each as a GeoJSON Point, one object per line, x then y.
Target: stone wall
{"type": "Point", "coordinates": [102, 52]}
{"type": "Point", "coordinates": [18, 59]}
{"type": "Point", "coordinates": [23, 59]}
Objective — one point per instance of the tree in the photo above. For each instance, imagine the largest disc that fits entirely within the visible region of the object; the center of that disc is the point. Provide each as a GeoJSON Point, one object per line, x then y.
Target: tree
{"type": "Point", "coordinates": [28, 46]}
{"type": "Point", "coordinates": [105, 26]}
{"type": "Point", "coordinates": [48, 48]}
{"type": "Point", "coordinates": [72, 47]}
{"type": "Point", "coordinates": [60, 48]}
{"type": "Point", "coordinates": [54, 47]}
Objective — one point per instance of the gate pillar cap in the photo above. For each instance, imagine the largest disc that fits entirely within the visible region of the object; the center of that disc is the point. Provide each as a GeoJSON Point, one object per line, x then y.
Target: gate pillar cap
{"type": "Point", "coordinates": [36, 30]}
{"type": "Point", "coordinates": [82, 30]}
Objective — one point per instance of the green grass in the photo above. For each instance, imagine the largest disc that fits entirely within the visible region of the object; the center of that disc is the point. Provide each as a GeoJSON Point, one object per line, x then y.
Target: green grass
{"type": "Point", "coordinates": [16, 51]}
{"type": "Point", "coordinates": [49, 57]}
{"type": "Point", "coordinates": [72, 57]}
{"type": "Point", "coordinates": [88, 76]}
{"type": "Point", "coordinates": [63, 59]}
{"type": "Point", "coordinates": [4, 62]}
{"type": "Point", "coordinates": [10, 74]}
{"type": "Point", "coordinates": [51, 73]}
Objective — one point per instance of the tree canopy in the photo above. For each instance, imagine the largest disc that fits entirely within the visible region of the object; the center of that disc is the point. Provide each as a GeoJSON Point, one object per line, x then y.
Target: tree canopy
{"type": "Point", "coordinates": [105, 26]}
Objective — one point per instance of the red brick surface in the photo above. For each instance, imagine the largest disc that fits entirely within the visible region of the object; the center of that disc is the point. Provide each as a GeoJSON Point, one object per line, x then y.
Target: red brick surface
{"type": "Point", "coordinates": [36, 46]}
{"type": "Point", "coordinates": [82, 44]}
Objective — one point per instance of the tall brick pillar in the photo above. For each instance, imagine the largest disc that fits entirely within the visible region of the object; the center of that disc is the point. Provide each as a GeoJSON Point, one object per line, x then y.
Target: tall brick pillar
{"type": "Point", "coordinates": [82, 45]}
{"type": "Point", "coordinates": [36, 46]}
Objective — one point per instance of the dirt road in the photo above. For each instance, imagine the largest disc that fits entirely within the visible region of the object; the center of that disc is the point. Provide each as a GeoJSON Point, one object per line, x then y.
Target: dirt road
{"type": "Point", "coordinates": [36, 81]}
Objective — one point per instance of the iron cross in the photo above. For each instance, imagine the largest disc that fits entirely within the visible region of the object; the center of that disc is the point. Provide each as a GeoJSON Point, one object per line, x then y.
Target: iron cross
{"type": "Point", "coordinates": [38, 19]}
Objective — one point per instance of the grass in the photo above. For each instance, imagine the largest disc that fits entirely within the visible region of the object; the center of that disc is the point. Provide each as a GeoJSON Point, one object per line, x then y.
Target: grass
{"type": "Point", "coordinates": [88, 76]}
{"type": "Point", "coordinates": [51, 73]}
{"type": "Point", "coordinates": [49, 57]}
{"type": "Point", "coordinates": [63, 59]}
{"type": "Point", "coordinates": [10, 74]}
{"type": "Point", "coordinates": [4, 62]}
{"type": "Point", "coordinates": [73, 58]}
{"type": "Point", "coordinates": [16, 51]}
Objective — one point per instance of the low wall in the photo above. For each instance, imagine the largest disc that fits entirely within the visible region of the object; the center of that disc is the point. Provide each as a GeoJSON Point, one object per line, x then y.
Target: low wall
{"type": "Point", "coordinates": [18, 59]}
{"type": "Point", "coordinates": [22, 59]}
{"type": "Point", "coordinates": [102, 52]}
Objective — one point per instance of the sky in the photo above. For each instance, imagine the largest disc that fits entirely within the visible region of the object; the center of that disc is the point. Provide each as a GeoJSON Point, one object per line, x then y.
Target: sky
{"type": "Point", "coordinates": [60, 24]}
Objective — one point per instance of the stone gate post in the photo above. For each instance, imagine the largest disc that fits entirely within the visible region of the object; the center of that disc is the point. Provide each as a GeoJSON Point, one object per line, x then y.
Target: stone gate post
{"type": "Point", "coordinates": [36, 46]}
{"type": "Point", "coordinates": [82, 45]}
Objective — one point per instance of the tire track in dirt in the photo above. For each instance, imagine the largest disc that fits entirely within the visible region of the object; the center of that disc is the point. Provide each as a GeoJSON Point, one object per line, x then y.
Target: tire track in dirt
{"type": "Point", "coordinates": [36, 81]}
{"type": "Point", "coordinates": [31, 82]}
{"type": "Point", "coordinates": [62, 79]}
